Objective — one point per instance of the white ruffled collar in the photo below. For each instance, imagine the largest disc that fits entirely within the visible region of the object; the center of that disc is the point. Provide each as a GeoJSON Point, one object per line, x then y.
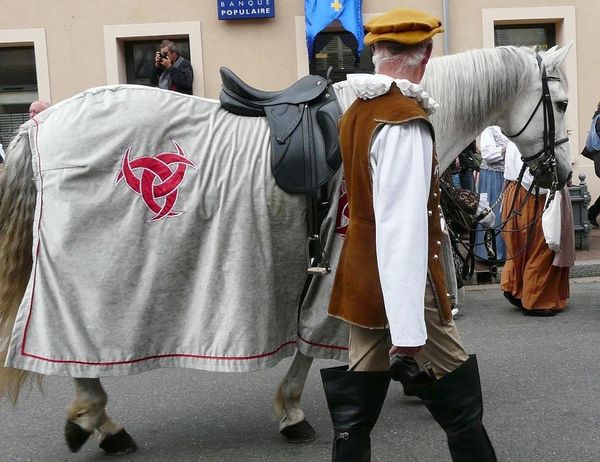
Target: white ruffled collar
{"type": "Point", "coordinates": [369, 86]}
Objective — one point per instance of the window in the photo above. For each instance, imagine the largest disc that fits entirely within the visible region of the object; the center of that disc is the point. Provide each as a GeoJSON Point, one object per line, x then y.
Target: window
{"type": "Point", "coordinates": [336, 49]}
{"type": "Point", "coordinates": [537, 36]}
{"type": "Point", "coordinates": [139, 58]}
{"type": "Point", "coordinates": [18, 70]}
{"type": "Point", "coordinates": [18, 88]}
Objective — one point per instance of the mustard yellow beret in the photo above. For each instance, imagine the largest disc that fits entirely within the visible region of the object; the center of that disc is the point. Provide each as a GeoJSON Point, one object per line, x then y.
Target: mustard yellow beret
{"type": "Point", "coordinates": [402, 25]}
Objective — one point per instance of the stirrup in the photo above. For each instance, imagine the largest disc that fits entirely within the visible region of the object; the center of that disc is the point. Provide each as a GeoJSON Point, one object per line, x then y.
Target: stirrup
{"type": "Point", "coordinates": [322, 266]}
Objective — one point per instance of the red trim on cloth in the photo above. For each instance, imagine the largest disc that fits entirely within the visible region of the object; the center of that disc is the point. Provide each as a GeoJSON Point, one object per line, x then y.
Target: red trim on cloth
{"type": "Point", "coordinates": [322, 345]}
{"type": "Point", "coordinates": [167, 355]}
{"type": "Point", "coordinates": [37, 247]}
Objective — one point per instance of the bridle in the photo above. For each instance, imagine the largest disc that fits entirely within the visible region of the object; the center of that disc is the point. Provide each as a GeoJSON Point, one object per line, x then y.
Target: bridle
{"type": "Point", "coordinates": [544, 160]}
{"type": "Point", "coordinates": [540, 163]}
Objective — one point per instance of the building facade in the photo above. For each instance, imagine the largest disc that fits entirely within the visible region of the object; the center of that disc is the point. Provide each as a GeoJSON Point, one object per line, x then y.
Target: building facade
{"type": "Point", "coordinates": [53, 50]}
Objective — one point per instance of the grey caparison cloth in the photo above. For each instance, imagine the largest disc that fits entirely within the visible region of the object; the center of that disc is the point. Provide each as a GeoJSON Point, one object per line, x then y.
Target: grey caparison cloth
{"type": "Point", "coordinates": [215, 287]}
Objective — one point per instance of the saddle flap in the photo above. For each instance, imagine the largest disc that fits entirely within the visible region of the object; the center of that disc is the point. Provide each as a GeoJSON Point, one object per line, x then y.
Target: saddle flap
{"type": "Point", "coordinates": [313, 145]}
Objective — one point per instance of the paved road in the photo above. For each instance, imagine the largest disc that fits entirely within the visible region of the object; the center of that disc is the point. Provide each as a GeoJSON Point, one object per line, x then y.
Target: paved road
{"type": "Point", "coordinates": [541, 380]}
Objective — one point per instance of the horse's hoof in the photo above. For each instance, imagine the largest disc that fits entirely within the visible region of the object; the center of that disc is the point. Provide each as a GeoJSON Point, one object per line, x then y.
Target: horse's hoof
{"type": "Point", "coordinates": [75, 436]}
{"type": "Point", "coordinates": [301, 432]}
{"type": "Point", "coordinates": [118, 444]}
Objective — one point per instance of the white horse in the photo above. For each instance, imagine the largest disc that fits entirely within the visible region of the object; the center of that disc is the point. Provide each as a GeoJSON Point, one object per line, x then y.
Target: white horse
{"type": "Point", "coordinates": [475, 89]}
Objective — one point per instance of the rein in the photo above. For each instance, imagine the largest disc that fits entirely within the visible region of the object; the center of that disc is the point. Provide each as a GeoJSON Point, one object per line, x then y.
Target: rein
{"type": "Point", "coordinates": [515, 211]}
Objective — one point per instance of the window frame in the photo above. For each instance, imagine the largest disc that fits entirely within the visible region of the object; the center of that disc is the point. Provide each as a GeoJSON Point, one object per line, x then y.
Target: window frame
{"type": "Point", "coordinates": [116, 35]}
{"type": "Point", "coordinates": [564, 17]}
{"type": "Point", "coordinates": [37, 39]}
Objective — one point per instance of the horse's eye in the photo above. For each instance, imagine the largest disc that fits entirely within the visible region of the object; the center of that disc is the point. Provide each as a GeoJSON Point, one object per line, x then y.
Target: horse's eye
{"type": "Point", "coordinates": [562, 105]}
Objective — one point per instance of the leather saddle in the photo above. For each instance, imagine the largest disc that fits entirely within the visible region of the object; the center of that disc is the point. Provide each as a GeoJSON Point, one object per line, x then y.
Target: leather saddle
{"type": "Point", "coordinates": [303, 121]}
{"type": "Point", "coordinates": [304, 140]}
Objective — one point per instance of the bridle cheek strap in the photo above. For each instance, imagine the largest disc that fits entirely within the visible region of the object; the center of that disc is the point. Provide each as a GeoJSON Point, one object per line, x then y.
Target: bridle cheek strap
{"type": "Point", "coordinates": [546, 158]}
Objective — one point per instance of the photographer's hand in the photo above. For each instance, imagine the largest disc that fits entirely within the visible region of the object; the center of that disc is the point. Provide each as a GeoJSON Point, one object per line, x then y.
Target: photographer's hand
{"type": "Point", "coordinates": [166, 63]}
{"type": "Point", "coordinates": [157, 60]}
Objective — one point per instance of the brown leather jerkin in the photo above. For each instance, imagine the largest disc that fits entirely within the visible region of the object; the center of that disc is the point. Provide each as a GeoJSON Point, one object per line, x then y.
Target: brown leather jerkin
{"type": "Point", "coordinates": [356, 296]}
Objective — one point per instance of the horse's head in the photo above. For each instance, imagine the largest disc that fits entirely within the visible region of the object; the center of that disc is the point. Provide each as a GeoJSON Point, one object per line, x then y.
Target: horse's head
{"type": "Point", "coordinates": [536, 120]}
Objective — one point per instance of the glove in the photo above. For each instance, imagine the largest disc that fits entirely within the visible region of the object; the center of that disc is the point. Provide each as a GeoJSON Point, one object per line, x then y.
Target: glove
{"type": "Point", "coordinates": [487, 219]}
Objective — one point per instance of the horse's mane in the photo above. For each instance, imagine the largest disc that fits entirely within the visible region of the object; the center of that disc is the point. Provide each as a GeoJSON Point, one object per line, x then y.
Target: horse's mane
{"type": "Point", "coordinates": [499, 73]}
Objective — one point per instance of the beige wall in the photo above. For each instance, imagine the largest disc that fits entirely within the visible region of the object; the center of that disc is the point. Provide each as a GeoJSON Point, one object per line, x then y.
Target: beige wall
{"type": "Point", "coordinates": [263, 51]}
{"type": "Point", "coordinates": [268, 53]}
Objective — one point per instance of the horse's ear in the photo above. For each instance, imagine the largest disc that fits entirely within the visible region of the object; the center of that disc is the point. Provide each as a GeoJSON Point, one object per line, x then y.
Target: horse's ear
{"type": "Point", "coordinates": [555, 56]}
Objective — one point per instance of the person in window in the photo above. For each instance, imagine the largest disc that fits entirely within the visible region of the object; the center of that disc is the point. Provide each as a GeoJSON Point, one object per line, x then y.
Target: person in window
{"type": "Point", "coordinates": [592, 152]}
{"type": "Point", "coordinates": [390, 283]}
{"type": "Point", "coordinates": [36, 107]}
{"type": "Point", "coordinates": [171, 70]}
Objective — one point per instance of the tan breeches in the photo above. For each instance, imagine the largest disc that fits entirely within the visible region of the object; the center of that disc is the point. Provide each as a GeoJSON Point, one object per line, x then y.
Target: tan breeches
{"type": "Point", "coordinates": [369, 348]}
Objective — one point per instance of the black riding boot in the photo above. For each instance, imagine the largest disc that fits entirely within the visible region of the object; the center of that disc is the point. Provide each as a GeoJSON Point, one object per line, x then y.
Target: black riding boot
{"type": "Point", "coordinates": [406, 370]}
{"type": "Point", "coordinates": [355, 400]}
{"type": "Point", "coordinates": [455, 402]}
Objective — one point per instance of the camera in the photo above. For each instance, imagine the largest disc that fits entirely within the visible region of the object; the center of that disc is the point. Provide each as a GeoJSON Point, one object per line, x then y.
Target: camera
{"type": "Point", "coordinates": [162, 55]}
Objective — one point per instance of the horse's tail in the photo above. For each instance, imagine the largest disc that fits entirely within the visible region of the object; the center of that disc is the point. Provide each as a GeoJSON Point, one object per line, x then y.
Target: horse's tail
{"type": "Point", "coordinates": [17, 204]}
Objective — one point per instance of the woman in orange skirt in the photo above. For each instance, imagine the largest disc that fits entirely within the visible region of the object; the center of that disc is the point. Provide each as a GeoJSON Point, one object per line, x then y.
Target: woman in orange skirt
{"type": "Point", "coordinates": [529, 278]}
{"type": "Point", "coordinates": [534, 278]}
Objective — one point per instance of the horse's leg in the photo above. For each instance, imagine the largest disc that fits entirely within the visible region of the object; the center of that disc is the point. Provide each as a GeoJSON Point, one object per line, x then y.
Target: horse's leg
{"type": "Point", "coordinates": [293, 424]}
{"type": "Point", "coordinates": [87, 413]}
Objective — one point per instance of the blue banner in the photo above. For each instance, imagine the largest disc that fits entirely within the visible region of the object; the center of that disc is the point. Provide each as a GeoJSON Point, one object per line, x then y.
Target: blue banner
{"type": "Point", "coordinates": [320, 13]}
{"type": "Point", "coordinates": [245, 9]}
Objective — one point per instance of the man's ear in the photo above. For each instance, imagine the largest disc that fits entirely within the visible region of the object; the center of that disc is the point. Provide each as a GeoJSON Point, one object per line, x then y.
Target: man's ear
{"type": "Point", "coordinates": [427, 53]}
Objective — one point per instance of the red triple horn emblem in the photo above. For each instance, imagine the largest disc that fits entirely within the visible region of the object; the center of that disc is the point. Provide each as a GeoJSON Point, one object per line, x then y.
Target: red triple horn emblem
{"type": "Point", "coordinates": [158, 181]}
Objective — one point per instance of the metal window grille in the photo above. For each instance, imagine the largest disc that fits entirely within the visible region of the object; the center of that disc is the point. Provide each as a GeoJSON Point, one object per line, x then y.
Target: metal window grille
{"type": "Point", "coordinates": [9, 124]}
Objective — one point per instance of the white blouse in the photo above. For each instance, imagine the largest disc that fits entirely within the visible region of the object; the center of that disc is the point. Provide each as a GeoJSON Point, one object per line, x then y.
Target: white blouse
{"type": "Point", "coordinates": [513, 165]}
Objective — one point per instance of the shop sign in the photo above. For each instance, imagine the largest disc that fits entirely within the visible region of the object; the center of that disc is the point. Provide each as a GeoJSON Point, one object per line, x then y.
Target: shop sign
{"type": "Point", "coordinates": [245, 9]}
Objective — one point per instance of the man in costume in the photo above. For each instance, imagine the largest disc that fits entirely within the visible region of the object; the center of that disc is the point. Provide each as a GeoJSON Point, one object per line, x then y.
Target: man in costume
{"type": "Point", "coordinates": [390, 283]}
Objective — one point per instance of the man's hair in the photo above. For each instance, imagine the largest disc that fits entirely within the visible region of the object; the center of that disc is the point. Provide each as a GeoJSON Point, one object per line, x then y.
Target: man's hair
{"type": "Point", "coordinates": [39, 105]}
{"type": "Point", "coordinates": [405, 56]}
{"type": "Point", "coordinates": [170, 45]}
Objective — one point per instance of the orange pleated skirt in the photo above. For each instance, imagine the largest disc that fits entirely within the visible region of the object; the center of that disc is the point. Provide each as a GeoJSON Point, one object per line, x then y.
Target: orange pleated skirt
{"type": "Point", "coordinates": [528, 273]}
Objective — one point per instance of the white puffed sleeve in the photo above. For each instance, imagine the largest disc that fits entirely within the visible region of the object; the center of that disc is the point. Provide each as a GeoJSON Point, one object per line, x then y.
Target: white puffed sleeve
{"type": "Point", "coordinates": [401, 159]}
